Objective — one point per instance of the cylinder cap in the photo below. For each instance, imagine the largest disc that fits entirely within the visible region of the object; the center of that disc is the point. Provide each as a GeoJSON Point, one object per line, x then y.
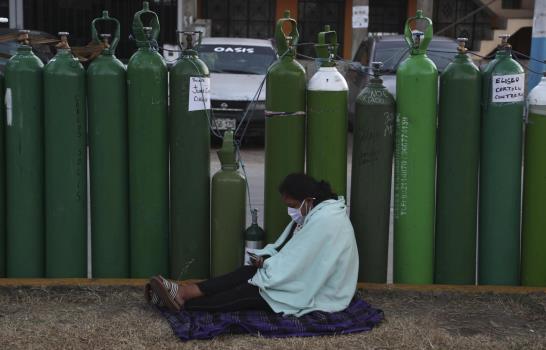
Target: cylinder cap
{"type": "Point", "coordinates": [147, 32]}
{"type": "Point", "coordinates": [462, 45]}
{"type": "Point", "coordinates": [376, 68]}
{"type": "Point", "coordinates": [106, 40]}
{"type": "Point", "coordinates": [188, 40]}
{"type": "Point", "coordinates": [109, 40]}
{"type": "Point", "coordinates": [23, 37]}
{"type": "Point", "coordinates": [286, 42]}
{"type": "Point", "coordinates": [326, 47]}
{"type": "Point", "coordinates": [504, 41]}
{"type": "Point", "coordinates": [254, 214]}
{"type": "Point", "coordinates": [63, 44]}
{"type": "Point", "coordinates": [417, 38]}
{"type": "Point", "coordinates": [227, 152]}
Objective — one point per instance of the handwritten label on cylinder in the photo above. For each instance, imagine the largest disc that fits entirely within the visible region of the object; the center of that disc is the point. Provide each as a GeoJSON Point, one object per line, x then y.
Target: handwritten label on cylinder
{"type": "Point", "coordinates": [401, 170]}
{"type": "Point", "coordinates": [9, 107]}
{"type": "Point", "coordinates": [508, 88]}
{"type": "Point", "coordinates": [199, 96]}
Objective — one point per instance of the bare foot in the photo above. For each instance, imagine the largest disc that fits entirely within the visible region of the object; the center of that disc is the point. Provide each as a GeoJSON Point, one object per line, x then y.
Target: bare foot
{"type": "Point", "coordinates": [187, 292]}
{"type": "Point", "coordinates": [180, 295]}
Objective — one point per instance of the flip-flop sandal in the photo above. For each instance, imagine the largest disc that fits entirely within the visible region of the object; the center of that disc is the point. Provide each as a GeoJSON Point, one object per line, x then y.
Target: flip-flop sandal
{"type": "Point", "coordinates": [166, 291]}
{"type": "Point", "coordinates": [171, 285]}
{"type": "Point", "coordinates": [151, 296]}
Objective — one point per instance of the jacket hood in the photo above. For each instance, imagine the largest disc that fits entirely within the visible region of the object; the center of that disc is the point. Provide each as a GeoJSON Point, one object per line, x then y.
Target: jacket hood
{"type": "Point", "coordinates": [332, 206]}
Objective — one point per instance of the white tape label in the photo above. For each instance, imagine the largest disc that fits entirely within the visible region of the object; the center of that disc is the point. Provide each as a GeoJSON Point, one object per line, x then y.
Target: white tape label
{"type": "Point", "coordinates": [508, 88]}
{"type": "Point", "coordinates": [199, 96]}
{"type": "Point", "coordinates": [9, 107]}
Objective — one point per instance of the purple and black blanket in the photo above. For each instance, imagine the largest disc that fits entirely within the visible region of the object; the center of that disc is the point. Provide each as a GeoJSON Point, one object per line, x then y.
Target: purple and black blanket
{"type": "Point", "coordinates": [359, 316]}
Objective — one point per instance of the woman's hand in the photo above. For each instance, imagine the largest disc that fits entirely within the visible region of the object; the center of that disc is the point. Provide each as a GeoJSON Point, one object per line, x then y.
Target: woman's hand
{"type": "Point", "coordinates": [258, 261]}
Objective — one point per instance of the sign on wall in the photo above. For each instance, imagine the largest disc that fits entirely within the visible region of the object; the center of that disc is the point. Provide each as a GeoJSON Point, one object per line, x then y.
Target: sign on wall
{"type": "Point", "coordinates": [361, 16]}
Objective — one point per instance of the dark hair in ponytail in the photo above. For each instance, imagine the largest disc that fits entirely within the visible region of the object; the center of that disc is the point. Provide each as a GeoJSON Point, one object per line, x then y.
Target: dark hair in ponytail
{"type": "Point", "coordinates": [301, 186]}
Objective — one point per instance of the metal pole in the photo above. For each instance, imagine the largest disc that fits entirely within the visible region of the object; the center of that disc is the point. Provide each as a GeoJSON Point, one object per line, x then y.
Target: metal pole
{"type": "Point", "coordinates": [14, 7]}
{"type": "Point", "coordinates": [12, 14]}
{"type": "Point", "coordinates": [538, 43]}
{"type": "Point", "coordinates": [180, 15]}
{"type": "Point", "coordinates": [20, 24]}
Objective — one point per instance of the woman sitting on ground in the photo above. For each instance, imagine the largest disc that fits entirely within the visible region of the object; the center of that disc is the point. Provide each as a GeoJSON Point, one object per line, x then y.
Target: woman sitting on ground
{"type": "Point", "coordinates": [312, 266]}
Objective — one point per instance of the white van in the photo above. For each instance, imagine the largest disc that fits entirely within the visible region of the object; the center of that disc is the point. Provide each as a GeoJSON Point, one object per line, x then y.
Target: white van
{"type": "Point", "coordinates": [237, 68]}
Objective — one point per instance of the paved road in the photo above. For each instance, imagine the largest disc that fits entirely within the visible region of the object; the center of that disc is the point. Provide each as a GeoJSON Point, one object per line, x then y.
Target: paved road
{"type": "Point", "coordinates": [253, 157]}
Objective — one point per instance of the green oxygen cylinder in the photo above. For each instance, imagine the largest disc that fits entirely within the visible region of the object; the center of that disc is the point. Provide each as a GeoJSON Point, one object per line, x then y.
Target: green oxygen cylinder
{"type": "Point", "coordinates": [65, 165]}
{"type": "Point", "coordinates": [24, 162]}
{"type": "Point", "coordinates": [284, 125]}
{"type": "Point", "coordinates": [190, 146]}
{"type": "Point", "coordinates": [148, 152]}
{"type": "Point", "coordinates": [227, 212]}
{"type": "Point", "coordinates": [254, 237]}
{"type": "Point", "coordinates": [458, 160]}
{"type": "Point", "coordinates": [107, 96]}
{"type": "Point", "coordinates": [533, 252]}
{"type": "Point", "coordinates": [2, 184]}
{"type": "Point", "coordinates": [415, 158]}
{"type": "Point", "coordinates": [500, 169]}
{"type": "Point", "coordinates": [327, 93]}
{"type": "Point", "coordinates": [373, 147]}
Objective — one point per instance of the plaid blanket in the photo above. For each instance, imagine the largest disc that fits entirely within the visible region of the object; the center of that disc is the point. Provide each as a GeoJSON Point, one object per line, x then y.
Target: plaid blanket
{"type": "Point", "coordinates": [359, 316]}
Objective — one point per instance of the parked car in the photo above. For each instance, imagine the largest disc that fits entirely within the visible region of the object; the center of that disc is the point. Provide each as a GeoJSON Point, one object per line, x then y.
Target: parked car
{"type": "Point", "coordinates": [9, 48]}
{"type": "Point", "coordinates": [237, 68]}
{"type": "Point", "coordinates": [391, 50]}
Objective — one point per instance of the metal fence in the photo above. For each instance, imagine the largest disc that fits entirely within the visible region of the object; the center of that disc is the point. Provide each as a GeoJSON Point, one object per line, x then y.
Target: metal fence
{"type": "Point", "coordinates": [313, 15]}
{"type": "Point", "coordinates": [475, 28]}
{"type": "Point", "coordinates": [75, 16]}
{"type": "Point", "coordinates": [387, 16]}
{"type": "Point", "coordinates": [241, 18]}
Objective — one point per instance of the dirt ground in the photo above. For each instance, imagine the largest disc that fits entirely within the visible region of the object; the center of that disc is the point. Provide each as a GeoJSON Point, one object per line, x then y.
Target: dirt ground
{"type": "Point", "coordinates": [117, 317]}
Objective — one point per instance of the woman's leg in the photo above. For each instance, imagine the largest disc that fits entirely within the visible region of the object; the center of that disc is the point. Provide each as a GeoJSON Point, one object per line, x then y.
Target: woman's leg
{"type": "Point", "coordinates": [242, 297]}
{"type": "Point", "coordinates": [215, 285]}
{"type": "Point", "coordinates": [227, 281]}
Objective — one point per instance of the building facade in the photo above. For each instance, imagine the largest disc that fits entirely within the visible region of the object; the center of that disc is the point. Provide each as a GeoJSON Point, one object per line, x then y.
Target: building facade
{"type": "Point", "coordinates": [256, 18]}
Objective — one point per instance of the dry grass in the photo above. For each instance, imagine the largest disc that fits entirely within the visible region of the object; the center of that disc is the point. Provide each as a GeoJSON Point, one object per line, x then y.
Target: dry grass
{"type": "Point", "coordinates": [117, 317]}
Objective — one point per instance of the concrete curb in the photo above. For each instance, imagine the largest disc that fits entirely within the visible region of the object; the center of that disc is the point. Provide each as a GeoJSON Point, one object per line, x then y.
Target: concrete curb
{"type": "Point", "coordinates": [452, 288]}
{"type": "Point", "coordinates": [77, 282]}
{"type": "Point", "coordinates": [117, 282]}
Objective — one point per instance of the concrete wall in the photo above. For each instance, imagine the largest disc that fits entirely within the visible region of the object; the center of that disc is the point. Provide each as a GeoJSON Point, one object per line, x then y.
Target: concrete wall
{"type": "Point", "coordinates": [358, 34]}
{"type": "Point", "coordinates": [187, 14]}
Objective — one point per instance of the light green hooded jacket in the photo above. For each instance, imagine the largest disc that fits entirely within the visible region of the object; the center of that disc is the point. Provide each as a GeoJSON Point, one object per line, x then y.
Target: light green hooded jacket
{"type": "Point", "coordinates": [317, 269]}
